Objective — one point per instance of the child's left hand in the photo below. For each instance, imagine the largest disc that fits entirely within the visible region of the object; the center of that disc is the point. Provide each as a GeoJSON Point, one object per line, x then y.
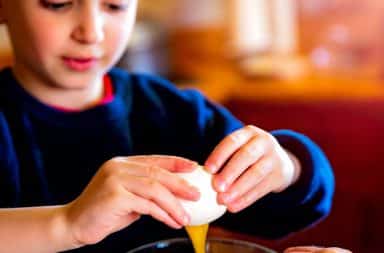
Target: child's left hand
{"type": "Point", "coordinates": [312, 249]}
{"type": "Point", "coordinates": [250, 163]}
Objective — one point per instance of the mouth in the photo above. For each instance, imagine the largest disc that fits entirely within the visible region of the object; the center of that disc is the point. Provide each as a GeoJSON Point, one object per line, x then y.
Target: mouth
{"type": "Point", "coordinates": [80, 63]}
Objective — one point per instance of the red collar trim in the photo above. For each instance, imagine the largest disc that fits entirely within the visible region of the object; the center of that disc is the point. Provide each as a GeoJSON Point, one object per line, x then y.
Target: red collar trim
{"type": "Point", "coordinates": [108, 91]}
{"type": "Point", "coordinates": [108, 95]}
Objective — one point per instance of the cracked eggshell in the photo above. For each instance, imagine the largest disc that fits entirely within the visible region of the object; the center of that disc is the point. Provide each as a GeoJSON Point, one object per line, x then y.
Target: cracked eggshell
{"type": "Point", "coordinates": [206, 209]}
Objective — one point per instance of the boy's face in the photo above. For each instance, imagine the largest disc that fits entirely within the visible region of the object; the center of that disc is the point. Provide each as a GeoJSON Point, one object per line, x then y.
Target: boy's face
{"type": "Point", "coordinates": [67, 43]}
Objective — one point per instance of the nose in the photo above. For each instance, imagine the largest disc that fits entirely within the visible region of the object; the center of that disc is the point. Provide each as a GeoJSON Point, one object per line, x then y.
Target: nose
{"type": "Point", "coordinates": [90, 26]}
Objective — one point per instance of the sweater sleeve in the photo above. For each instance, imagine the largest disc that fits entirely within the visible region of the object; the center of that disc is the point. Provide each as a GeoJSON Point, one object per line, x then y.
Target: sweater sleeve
{"type": "Point", "coordinates": [301, 205]}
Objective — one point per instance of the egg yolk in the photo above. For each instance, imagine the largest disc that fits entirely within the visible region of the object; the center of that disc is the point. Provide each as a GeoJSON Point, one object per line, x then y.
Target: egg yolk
{"type": "Point", "coordinates": [198, 235]}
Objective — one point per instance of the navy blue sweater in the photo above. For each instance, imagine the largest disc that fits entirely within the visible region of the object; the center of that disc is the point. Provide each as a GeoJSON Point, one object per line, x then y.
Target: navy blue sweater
{"type": "Point", "coordinates": [47, 156]}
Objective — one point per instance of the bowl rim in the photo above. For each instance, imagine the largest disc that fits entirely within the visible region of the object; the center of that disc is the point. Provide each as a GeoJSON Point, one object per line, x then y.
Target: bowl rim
{"type": "Point", "coordinates": [215, 239]}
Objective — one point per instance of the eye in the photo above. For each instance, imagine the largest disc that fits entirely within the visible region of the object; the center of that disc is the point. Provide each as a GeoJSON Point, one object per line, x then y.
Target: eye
{"type": "Point", "coordinates": [116, 7]}
{"type": "Point", "coordinates": [55, 6]}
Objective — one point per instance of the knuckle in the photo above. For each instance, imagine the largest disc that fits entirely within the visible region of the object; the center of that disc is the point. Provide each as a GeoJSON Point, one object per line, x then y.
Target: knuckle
{"type": "Point", "coordinates": [266, 141]}
{"type": "Point", "coordinates": [266, 136]}
{"type": "Point", "coordinates": [265, 167]}
{"type": "Point", "coordinates": [237, 137]}
{"type": "Point", "coordinates": [111, 181]}
{"type": "Point", "coordinates": [115, 195]}
{"type": "Point", "coordinates": [152, 172]}
{"type": "Point", "coordinates": [130, 197]}
{"type": "Point", "coordinates": [146, 209]}
{"type": "Point", "coordinates": [252, 148]}
{"type": "Point", "coordinates": [108, 167]}
{"type": "Point", "coordinates": [152, 209]}
{"type": "Point", "coordinates": [153, 186]}
{"type": "Point", "coordinates": [270, 138]}
{"type": "Point", "coordinates": [116, 161]}
{"type": "Point", "coordinates": [180, 182]}
{"type": "Point", "coordinates": [262, 169]}
{"type": "Point", "coordinates": [111, 166]}
{"type": "Point", "coordinates": [252, 128]}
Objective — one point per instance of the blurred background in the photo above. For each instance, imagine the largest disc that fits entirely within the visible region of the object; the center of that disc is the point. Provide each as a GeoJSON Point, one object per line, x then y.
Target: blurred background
{"type": "Point", "coordinates": [314, 66]}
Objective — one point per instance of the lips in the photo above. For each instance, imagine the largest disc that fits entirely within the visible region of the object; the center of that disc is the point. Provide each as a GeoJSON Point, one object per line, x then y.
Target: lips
{"type": "Point", "coordinates": [80, 63]}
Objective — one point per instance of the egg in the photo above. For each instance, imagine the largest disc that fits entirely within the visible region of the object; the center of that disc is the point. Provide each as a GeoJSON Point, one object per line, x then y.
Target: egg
{"type": "Point", "coordinates": [206, 209]}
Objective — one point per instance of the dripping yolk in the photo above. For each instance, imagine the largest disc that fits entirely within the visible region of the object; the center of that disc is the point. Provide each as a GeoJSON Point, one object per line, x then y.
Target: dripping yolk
{"type": "Point", "coordinates": [198, 236]}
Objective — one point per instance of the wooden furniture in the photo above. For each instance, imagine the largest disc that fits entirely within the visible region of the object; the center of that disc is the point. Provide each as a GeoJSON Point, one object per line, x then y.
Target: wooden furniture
{"type": "Point", "coordinates": [5, 48]}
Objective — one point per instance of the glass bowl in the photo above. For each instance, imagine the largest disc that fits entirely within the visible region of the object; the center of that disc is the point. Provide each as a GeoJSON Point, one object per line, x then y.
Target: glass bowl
{"type": "Point", "coordinates": [214, 245]}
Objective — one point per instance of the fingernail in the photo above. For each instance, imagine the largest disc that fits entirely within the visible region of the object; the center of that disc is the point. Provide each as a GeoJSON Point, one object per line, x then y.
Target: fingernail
{"type": "Point", "coordinates": [235, 207]}
{"type": "Point", "coordinates": [239, 204]}
{"type": "Point", "coordinates": [194, 164]}
{"type": "Point", "coordinates": [212, 168]}
{"type": "Point", "coordinates": [221, 186]}
{"type": "Point", "coordinates": [228, 197]}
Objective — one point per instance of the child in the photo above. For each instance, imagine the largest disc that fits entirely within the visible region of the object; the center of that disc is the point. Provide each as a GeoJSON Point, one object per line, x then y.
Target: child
{"type": "Point", "coordinates": [77, 143]}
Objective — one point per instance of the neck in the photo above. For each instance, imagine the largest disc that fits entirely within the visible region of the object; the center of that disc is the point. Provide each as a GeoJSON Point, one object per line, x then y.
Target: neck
{"type": "Point", "coordinates": [70, 97]}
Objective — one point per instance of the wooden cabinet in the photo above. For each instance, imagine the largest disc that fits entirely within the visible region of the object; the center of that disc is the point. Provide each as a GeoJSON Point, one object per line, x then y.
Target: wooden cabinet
{"type": "Point", "coordinates": [5, 48]}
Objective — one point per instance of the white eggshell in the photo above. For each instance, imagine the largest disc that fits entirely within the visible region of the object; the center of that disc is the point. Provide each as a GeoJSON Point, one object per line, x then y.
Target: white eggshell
{"type": "Point", "coordinates": [206, 209]}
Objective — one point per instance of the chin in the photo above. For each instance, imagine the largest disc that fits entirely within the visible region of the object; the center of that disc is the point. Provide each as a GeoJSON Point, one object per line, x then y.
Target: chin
{"type": "Point", "coordinates": [60, 84]}
{"type": "Point", "coordinates": [76, 82]}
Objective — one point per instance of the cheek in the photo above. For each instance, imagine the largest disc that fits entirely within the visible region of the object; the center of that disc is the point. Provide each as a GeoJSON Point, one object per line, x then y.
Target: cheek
{"type": "Point", "coordinates": [117, 40]}
{"type": "Point", "coordinates": [44, 42]}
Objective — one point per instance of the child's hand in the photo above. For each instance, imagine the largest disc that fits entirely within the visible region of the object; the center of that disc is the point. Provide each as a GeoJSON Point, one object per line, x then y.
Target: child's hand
{"type": "Point", "coordinates": [312, 249]}
{"type": "Point", "coordinates": [125, 188]}
{"type": "Point", "coordinates": [250, 164]}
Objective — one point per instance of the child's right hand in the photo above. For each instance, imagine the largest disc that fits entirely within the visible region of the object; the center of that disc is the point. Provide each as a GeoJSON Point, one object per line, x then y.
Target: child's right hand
{"type": "Point", "coordinates": [125, 188]}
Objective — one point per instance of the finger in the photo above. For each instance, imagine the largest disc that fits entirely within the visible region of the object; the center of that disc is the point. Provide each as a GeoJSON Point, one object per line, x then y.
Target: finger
{"type": "Point", "coordinates": [174, 183]}
{"type": "Point", "coordinates": [239, 162]}
{"type": "Point", "coordinates": [227, 147]}
{"type": "Point", "coordinates": [171, 163]}
{"type": "Point", "coordinates": [248, 181]}
{"type": "Point", "coordinates": [263, 188]}
{"type": "Point", "coordinates": [146, 207]}
{"type": "Point", "coordinates": [299, 251]}
{"type": "Point", "coordinates": [302, 249]}
{"type": "Point", "coordinates": [160, 195]}
{"type": "Point", "coordinates": [334, 250]}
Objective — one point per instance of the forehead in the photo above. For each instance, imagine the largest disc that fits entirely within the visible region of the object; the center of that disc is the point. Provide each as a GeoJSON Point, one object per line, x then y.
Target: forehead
{"type": "Point", "coordinates": [25, 3]}
{"type": "Point", "coordinates": [8, 8]}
